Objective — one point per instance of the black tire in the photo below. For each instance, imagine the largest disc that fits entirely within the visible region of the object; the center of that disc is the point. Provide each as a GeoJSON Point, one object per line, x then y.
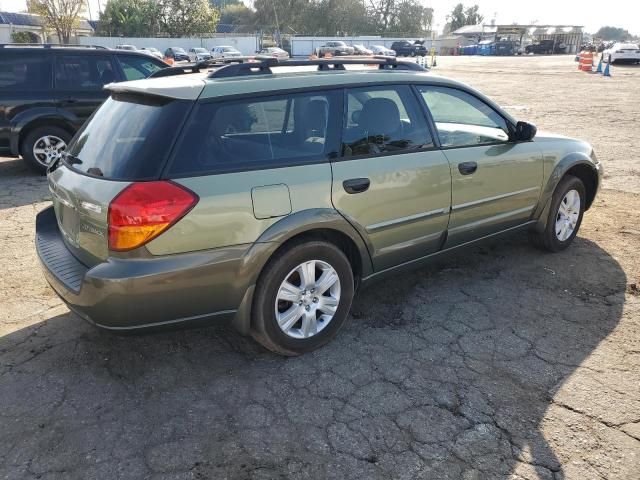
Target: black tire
{"type": "Point", "coordinates": [413, 54]}
{"type": "Point", "coordinates": [265, 328]}
{"type": "Point", "coordinates": [26, 147]}
{"type": "Point", "coordinates": [547, 239]}
{"type": "Point", "coordinates": [336, 53]}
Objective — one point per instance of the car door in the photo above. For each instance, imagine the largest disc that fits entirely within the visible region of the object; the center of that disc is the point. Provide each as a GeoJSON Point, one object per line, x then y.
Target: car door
{"type": "Point", "coordinates": [25, 85]}
{"type": "Point", "coordinates": [79, 80]}
{"type": "Point", "coordinates": [496, 182]}
{"type": "Point", "coordinates": [389, 181]}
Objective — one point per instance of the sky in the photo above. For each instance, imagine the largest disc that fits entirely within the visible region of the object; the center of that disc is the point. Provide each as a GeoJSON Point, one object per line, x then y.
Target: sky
{"type": "Point", "coordinates": [617, 13]}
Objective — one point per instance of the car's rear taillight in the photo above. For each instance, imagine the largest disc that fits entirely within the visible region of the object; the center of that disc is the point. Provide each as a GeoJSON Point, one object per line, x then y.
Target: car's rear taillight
{"type": "Point", "coordinates": [144, 210]}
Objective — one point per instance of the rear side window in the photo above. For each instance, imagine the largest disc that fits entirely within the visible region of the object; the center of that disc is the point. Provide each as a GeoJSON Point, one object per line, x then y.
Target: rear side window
{"type": "Point", "coordinates": [84, 72]}
{"type": "Point", "coordinates": [137, 68]}
{"type": "Point", "coordinates": [128, 137]}
{"type": "Point", "coordinates": [258, 133]}
{"type": "Point", "coordinates": [383, 120]}
{"type": "Point", "coordinates": [25, 71]}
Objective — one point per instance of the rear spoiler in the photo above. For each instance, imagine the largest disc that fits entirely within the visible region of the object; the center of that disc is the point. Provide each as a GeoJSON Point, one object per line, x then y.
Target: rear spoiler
{"type": "Point", "coordinates": [186, 87]}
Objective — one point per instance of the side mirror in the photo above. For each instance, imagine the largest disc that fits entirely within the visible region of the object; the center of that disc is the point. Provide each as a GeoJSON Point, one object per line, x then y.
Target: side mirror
{"type": "Point", "coordinates": [355, 116]}
{"type": "Point", "coordinates": [525, 131]}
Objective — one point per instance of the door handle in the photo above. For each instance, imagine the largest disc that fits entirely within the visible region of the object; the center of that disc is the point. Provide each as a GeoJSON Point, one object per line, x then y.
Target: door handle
{"type": "Point", "coordinates": [467, 168]}
{"type": "Point", "coordinates": [356, 185]}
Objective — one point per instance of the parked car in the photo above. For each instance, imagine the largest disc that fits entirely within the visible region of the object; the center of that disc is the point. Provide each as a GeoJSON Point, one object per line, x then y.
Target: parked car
{"type": "Point", "coordinates": [382, 50]}
{"type": "Point", "coordinates": [177, 54]}
{"type": "Point", "coordinates": [199, 54]}
{"type": "Point", "coordinates": [361, 50]}
{"type": "Point", "coordinates": [546, 47]}
{"type": "Point", "coordinates": [40, 111]}
{"type": "Point", "coordinates": [335, 48]}
{"type": "Point", "coordinates": [131, 48]}
{"type": "Point", "coordinates": [505, 48]}
{"type": "Point", "coordinates": [274, 52]}
{"type": "Point", "coordinates": [225, 51]}
{"type": "Point", "coordinates": [154, 52]}
{"type": "Point", "coordinates": [267, 203]}
{"type": "Point", "coordinates": [405, 48]}
{"type": "Point", "coordinates": [622, 53]}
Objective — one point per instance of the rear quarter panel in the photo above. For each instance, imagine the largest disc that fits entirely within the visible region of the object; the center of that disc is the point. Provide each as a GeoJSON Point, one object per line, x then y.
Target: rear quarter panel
{"type": "Point", "coordinates": [225, 214]}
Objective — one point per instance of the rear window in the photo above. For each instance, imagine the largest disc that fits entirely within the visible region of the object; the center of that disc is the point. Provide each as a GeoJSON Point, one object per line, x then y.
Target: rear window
{"type": "Point", "coordinates": [128, 137]}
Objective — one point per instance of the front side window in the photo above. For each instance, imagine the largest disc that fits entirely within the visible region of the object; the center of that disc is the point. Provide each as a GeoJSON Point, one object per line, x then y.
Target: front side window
{"type": "Point", "coordinates": [84, 72]}
{"type": "Point", "coordinates": [463, 120]}
{"type": "Point", "coordinates": [25, 71]}
{"type": "Point", "coordinates": [257, 133]}
{"type": "Point", "coordinates": [137, 68]}
{"type": "Point", "coordinates": [383, 120]}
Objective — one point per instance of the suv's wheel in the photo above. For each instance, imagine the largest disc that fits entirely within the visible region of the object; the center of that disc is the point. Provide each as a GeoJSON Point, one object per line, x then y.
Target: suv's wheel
{"type": "Point", "coordinates": [43, 145]}
{"type": "Point", "coordinates": [565, 216]}
{"type": "Point", "coordinates": [302, 298]}
{"type": "Point", "coordinates": [413, 53]}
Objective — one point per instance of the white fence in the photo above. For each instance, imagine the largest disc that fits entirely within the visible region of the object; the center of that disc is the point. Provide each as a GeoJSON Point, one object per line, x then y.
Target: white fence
{"type": "Point", "coordinates": [303, 46]}
{"type": "Point", "coordinates": [246, 44]}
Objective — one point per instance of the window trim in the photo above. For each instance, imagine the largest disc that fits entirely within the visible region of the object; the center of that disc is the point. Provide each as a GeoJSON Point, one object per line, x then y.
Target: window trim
{"type": "Point", "coordinates": [258, 166]}
{"type": "Point", "coordinates": [419, 112]}
{"type": "Point", "coordinates": [507, 121]}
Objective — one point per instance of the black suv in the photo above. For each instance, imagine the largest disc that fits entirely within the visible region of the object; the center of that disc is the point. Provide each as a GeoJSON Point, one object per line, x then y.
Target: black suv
{"type": "Point", "coordinates": [47, 92]}
{"type": "Point", "coordinates": [405, 48]}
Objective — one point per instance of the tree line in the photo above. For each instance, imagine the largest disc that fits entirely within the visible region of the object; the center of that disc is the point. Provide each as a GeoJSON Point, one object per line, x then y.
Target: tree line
{"type": "Point", "coordinates": [180, 18]}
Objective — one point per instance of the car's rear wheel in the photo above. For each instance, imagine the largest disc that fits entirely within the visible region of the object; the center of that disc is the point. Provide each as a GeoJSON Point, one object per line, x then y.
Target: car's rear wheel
{"type": "Point", "coordinates": [302, 298]}
{"type": "Point", "coordinates": [44, 145]}
{"type": "Point", "coordinates": [565, 216]}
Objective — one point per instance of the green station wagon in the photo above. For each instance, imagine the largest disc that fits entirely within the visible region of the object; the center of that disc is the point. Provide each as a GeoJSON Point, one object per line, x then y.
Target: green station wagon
{"type": "Point", "coordinates": [265, 196]}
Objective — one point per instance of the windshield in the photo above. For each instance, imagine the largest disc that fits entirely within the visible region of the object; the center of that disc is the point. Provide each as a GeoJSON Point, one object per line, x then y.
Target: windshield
{"type": "Point", "coordinates": [200, 50]}
{"type": "Point", "coordinates": [127, 138]}
{"type": "Point", "coordinates": [178, 50]}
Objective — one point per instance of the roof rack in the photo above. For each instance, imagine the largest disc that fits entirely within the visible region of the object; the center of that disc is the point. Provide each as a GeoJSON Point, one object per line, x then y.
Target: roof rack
{"type": "Point", "coordinates": [265, 64]}
{"type": "Point", "coordinates": [184, 68]}
{"type": "Point", "coordinates": [49, 45]}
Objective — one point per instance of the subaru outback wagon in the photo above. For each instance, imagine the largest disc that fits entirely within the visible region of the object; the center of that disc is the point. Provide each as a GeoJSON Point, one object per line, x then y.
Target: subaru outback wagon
{"type": "Point", "coordinates": [264, 198]}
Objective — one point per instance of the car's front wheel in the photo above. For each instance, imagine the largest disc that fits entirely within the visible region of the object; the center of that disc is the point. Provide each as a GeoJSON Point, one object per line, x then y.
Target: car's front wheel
{"type": "Point", "coordinates": [302, 298]}
{"type": "Point", "coordinates": [44, 145]}
{"type": "Point", "coordinates": [565, 216]}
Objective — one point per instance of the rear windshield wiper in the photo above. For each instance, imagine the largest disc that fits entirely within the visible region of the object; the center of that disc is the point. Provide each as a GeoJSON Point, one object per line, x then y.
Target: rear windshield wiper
{"type": "Point", "coordinates": [95, 171]}
{"type": "Point", "coordinates": [71, 160]}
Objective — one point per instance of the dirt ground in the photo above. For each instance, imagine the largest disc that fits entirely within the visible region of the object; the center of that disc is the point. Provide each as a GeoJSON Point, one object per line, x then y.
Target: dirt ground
{"type": "Point", "coordinates": [503, 362]}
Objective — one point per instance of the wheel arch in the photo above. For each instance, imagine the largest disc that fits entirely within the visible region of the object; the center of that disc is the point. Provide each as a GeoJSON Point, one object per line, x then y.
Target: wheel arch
{"type": "Point", "coordinates": [577, 164]}
{"type": "Point", "coordinates": [28, 125]}
{"type": "Point", "coordinates": [326, 224]}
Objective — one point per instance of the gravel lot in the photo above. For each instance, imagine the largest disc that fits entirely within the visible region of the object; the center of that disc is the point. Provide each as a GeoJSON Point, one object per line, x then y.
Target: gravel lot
{"type": "Point", "coordinates": [503, 362]}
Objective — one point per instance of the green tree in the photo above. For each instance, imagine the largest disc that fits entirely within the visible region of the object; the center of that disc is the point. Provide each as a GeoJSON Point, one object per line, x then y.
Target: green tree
{"type": "Point", "coordinates": [337, 17]}
{"type": "Point", "coordinates": [461, 16]}
{"type": "Point", "coordinates": [613, 33]}
{"type": "Point", "coordinates": [400, 17]}
{"type": "Point", "coordinates": [472, 17]}
{"type": "Point", "coordinates": [183, 18]}
{"type": "Point", "coordinates": [129, 18]}
{"type": "Point", "coordinates": [24, 37]}
{"type": "Point", "coordinates": [61, 16]}
{"type": "Point", "coordinates": [239, 16]}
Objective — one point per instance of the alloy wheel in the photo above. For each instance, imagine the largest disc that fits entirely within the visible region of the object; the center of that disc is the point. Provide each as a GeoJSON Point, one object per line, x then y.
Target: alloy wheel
{"type": "Point", "coordinates": [568, 215]}
{"type": "Point", "coordinates": [307, 299]}
{"type": "Point", "coordinates": [47, 149]}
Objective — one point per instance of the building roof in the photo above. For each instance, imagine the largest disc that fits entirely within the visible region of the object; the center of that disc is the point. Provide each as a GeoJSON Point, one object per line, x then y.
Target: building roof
{"type": "Point", "coordinates": [514, 28]}
{"type": "Point", "coordinates": [31, 20]}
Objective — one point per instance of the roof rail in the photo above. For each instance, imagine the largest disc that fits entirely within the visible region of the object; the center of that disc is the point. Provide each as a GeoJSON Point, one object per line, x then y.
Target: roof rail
{"type": "Point", "coordinates": [184, 68]}
{"type": "Point", "coordinates": [265, 64]}
{"type": "Point", "coordinates": [48, 45]}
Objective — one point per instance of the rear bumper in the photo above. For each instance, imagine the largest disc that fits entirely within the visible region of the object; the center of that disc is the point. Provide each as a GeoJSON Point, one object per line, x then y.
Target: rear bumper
{"type": "Point", "coordinates": [129, 294]}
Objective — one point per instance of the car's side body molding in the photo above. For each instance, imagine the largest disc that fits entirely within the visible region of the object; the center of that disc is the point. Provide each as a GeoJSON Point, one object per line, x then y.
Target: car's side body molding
{"type": "Point", "coordinates": [40, 114]}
